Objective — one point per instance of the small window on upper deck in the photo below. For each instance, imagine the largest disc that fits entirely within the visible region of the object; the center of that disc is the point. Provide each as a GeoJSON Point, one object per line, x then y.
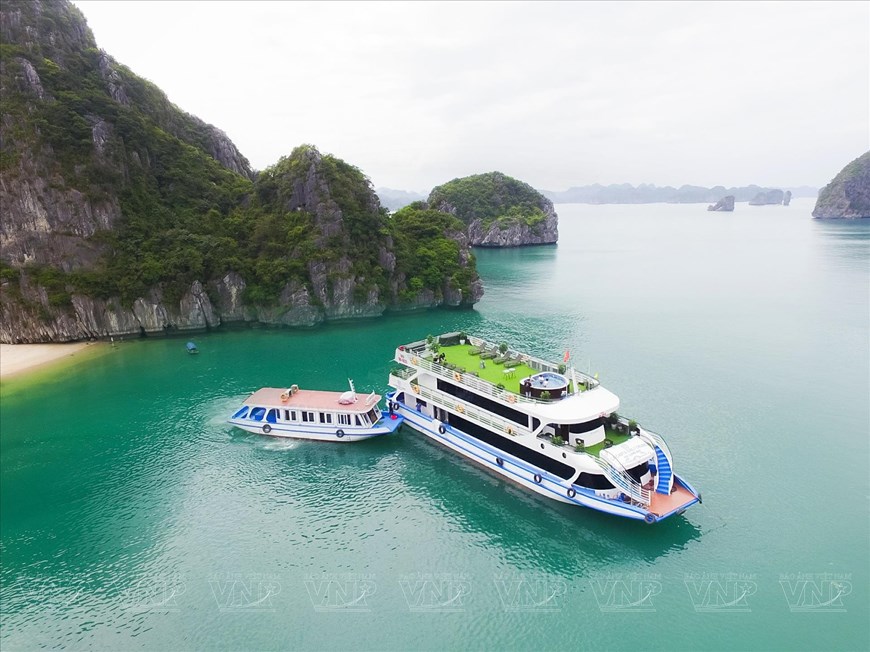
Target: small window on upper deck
{"type": "Point", "coordinates": [257, 414]}
{"type": "Point", "coordinates": [272, 417]}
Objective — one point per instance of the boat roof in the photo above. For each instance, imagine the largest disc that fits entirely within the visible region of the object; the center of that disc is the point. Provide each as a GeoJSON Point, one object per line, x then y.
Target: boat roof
{"type": "Point", "coordinates": [309, 399]}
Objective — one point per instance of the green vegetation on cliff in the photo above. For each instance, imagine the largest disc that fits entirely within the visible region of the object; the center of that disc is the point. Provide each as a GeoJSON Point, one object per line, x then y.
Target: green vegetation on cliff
{"type": "Point", "coordinates": [491, 197]}
{"type": "Point", "coordinates": [110, 190]}
{"type": "Point", "coordinates": [428, 253]}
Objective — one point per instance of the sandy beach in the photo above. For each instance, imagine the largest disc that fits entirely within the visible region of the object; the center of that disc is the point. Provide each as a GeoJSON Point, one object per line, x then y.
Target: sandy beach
{"type": "Point", "coordinates": [18, 358]}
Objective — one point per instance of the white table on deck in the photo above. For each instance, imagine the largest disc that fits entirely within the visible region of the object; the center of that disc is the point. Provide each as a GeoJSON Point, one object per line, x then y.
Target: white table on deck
{"type": "Point", "coordinates": [509, 373]}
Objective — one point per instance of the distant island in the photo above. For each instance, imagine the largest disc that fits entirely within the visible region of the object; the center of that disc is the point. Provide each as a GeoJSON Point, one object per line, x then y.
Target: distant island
{"type": "Point", "coordinates": [625, 193]}
{"type": "Point", "coordinates": [395, 199]}
{"type": "Point", "coordinates": [848, 194]}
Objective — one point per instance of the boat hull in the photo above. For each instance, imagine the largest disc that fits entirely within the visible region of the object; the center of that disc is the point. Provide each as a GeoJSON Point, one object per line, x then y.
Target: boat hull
{"type": "Point", "coordinates": [347, 434]}
{"type": "Point", "coordinates": [515, 470]}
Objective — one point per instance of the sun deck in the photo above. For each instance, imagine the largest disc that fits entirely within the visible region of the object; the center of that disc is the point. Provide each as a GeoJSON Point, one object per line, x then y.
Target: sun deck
{"type": "Point", "coordinates": [462, 359]}
{"type": "Point", "coordinates": [310, 399]}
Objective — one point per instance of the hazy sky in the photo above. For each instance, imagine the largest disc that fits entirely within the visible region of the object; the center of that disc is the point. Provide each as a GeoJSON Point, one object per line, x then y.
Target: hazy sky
{"type": "Point", "coordinates": [557, 94]}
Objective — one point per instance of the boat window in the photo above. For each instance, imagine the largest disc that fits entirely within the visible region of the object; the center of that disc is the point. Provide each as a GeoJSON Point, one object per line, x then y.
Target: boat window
{"type": "Point", "coordinates": [520, 418]}
{"type": "Point", "coordinates": [241, 413]}
{"type": "Point", "coordinates": [358, 421]}
{"type": "Point", "coordinates": [257, 414]}
{"type": "Point", "coordinates": [305, 417]}
{"type": "Point", "coordinates": [344, 419]}
{"type": "Point", "coordinates": [593, 481]}
{"type": "Point", "coordinates": [372, 415]}
{"type": "Point", "coordinates": [272, 417]}
{"type": "Point", "coordinates": [589, 426]}
{"type": "Point", "coordinates": [512, 447]}
{"type": "Point", "coordinates": [325, 417]}
{"type": "Point", "coordinates": [639, 471]}
{"type": "Point", "coordinates": [292, 415]}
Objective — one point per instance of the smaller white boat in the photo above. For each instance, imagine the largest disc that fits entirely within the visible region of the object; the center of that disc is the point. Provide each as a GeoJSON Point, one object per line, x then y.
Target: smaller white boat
{"type": "Point", "coordinates": [314, 414]}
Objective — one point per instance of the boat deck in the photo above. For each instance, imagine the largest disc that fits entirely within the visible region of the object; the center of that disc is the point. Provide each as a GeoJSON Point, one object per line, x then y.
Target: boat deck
{"type": "Point", "coordinates": [662, 504]}
{"type": "Point", "coordinates": [459, 356]}
{"type": "Point", "coordinates": [310, 399]}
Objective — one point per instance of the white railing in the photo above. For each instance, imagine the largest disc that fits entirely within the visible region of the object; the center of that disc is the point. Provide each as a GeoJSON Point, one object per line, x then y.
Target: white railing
{"type": "Point", "coordinates": [657, 440]}
{"type": "Point", "coordinates": [624, 481]}
{"type": "Point", "coordinates": [467, 410]}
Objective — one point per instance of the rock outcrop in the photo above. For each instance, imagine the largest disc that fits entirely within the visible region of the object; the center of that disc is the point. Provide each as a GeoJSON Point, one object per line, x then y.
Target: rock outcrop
{"type": "Point", "coordinates": [766, 198]}
{"type": "Point", "coordinates": [124, 215]}
{"type": "Point", "coordinates": [499, 211]}
{"type": "Point", "coordinates": [848, 194]}
{"type": "Point", "coordinates": [724, 204]}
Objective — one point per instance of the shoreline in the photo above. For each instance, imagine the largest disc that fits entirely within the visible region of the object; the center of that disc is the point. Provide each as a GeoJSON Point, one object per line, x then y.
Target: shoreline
{"type": "Point", "coordinates": [19, 359]}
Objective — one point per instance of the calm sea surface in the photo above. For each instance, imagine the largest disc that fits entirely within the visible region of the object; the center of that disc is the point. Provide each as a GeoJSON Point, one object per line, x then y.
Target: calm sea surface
{"type": "Point", "coordinates": [132, 517]}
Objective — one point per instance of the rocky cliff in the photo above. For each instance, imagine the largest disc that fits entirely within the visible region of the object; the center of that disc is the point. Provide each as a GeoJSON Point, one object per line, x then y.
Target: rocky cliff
{"type": "Point", "coordinates": [499, 211]}
{"type": "Point", "coordinates": [724, 204]}
{"type": "Point", "coordinates": [124, 215]}
{"type": "Point", "coordinates": [848, 194]}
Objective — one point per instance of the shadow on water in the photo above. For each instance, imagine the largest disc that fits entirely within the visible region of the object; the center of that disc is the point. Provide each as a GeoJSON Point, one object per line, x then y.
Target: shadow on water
{"type": "Point", "coordinates": [528, 529]}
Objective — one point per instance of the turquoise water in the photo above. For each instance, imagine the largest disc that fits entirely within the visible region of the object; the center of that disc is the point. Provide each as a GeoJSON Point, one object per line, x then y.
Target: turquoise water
{"type": "Point", "coordinates": [132, 517]}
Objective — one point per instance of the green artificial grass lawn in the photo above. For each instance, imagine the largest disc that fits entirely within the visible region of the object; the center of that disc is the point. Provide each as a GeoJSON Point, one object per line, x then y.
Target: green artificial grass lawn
{"type": "Point", "coordinates": [494, 373]}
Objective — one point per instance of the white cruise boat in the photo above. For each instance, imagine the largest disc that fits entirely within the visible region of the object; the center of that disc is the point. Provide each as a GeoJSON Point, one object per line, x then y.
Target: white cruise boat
{"type": "Point", "coordinates": [312, 414]}
{"type": "Point", "coordinates": [550, 429]}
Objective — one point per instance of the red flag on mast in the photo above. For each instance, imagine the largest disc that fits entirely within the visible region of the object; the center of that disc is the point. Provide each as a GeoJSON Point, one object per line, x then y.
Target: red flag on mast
{"type": "Point", "coordinates": [567, 356]}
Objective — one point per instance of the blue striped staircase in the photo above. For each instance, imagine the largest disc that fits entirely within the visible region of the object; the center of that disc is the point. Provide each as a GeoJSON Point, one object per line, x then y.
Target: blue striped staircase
{"type": "Point", "coordinates": [665, 474]}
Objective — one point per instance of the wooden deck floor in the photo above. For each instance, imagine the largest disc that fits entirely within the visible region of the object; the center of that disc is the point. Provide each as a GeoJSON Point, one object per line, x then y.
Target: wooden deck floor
{"type": "Point", "coordinates": [661, 504]}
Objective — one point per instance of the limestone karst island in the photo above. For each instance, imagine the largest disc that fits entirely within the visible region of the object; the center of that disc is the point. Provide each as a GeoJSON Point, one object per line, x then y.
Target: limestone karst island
{"type": "Point", "coordinates": [124, 215]}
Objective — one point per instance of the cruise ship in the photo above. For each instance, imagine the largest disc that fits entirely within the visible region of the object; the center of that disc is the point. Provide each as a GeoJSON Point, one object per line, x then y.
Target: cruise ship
{"type": "Point", "coordinates": [546, 427]}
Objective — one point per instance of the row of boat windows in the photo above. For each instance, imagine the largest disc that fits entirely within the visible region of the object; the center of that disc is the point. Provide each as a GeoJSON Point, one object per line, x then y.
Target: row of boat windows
{"type": "Point", "coordinates": [518, 417]}
{"type": "Point", "coordinates": [274, 415]}
{"type": "Point", "coordinates": [565, 471]}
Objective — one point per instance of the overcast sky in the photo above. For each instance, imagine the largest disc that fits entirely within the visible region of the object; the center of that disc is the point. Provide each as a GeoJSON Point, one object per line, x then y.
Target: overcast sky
{"type": "Point", "coordinates": [556, 94]}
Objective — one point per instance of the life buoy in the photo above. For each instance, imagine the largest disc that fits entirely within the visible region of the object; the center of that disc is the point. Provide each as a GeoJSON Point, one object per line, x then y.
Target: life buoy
{"type": "Point", "coordinates": [512, 399]}
{"type": "Point", "coordinates": [499, 461]}
{"type": "Point", "coordinates": [650, 518]}
{"type": "Point", "coordinates": [339, 433]}
{"type": "Point", "coordinates": [414, 360]}
{"type": "Point", "coordinates": [267, 428]}
{"type": "Point", "coordinates": [460, 408]}
{"type": "Point", "coordinates": [509, 430]}
{"type": "Point", "coordinates": [442, 429]}
{"type": "Point", "coordinates": [416, 389]}
{"type": "Point", "coordinates": [457, 376]}
{"type": "Point", "coordinates": [538, 478]}
{"type": "Point", "coordinates": [571, 493]}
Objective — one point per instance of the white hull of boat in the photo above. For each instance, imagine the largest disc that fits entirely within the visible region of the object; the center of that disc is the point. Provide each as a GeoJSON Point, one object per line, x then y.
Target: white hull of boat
{"type": "Point", "coordinates": [513, 469]}
{"type": "Point", "coordinates": [315, 433]}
